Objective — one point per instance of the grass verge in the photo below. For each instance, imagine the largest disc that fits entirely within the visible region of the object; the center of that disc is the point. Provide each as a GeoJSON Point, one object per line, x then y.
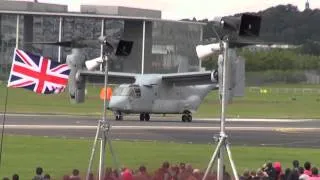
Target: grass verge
{"type": "Point", "coordinates": [21, 154]}
{"type": "Point", "coordinates": [279, 101]}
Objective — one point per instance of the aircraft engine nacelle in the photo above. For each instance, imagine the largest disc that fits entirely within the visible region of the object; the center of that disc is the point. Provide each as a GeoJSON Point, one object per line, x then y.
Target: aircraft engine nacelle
{"type": "Point", "coordinates": [80, 89]}
{"type": "Point", "coordinates": [246, 25]}
{"type": "Point", "coordinates": [76, 85]}
{"type": "Point", "coordinates": [236, 73]}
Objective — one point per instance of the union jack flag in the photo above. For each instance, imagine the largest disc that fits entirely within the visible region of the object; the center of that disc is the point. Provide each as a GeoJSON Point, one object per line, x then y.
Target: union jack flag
{"type": "Point", "coordinates": [37, 73]}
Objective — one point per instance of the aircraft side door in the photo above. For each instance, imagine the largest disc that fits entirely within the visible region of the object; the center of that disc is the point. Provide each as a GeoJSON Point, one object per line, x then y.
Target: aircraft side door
{"type": "Point", "coordinates": [156, 92]}
{"type": "Point", "coordinates": [143, 103]}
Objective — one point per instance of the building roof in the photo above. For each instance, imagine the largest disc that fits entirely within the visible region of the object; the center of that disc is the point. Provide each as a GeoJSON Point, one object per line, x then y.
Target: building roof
{"type": "Point", "coordinates": [119, 12]}
{"type": "Point", "coordinates": [31, 6]}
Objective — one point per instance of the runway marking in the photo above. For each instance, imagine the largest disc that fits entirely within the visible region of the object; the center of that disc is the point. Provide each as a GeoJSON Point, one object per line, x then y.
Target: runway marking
{"type": "Point", "coordinates": [79, 127]}
{"type": "Point", "coordinates": [166, 117]}
{"type": "Point", "coordinates": [257, 120]}
{"type": "Point", "coordinates": [296, 130]}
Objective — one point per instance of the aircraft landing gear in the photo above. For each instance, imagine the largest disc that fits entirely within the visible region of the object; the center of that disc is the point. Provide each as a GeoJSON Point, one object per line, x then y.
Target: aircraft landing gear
{"type": "Point", "coordinates": [118, 116]}
{"type": "Point", "coordinates": [144, 117]}
{"type": "Point", "coordinates": [186, 117]}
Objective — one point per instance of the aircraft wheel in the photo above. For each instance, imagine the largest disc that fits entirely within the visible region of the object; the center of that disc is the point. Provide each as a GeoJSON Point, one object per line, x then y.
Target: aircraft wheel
{"type": "Point", "coordinates": [147, 117]}
{"type": "Point", "coordinates": [189, 117]}
{"type": "Point", "coordinates": [142, 116]}
{"type": "Point", "coordinates": [119, 116]}
{"type": "Point", "coordinates": [184, 118]}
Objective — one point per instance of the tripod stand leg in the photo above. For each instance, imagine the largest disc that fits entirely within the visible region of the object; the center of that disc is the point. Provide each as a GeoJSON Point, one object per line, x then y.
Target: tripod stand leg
{"type": "Point", "coordinates": [93, 150]}
{"type": "Point", "coordinates": [220, 163]}
{"type": "Point", "coordinates": [234, 170]}
{"type": "Point", "coordinates": [214, 156]}
{"type": "Point", "coordinates": [102, 155]}
{"type": "Point", "coordinates": [114, 157]}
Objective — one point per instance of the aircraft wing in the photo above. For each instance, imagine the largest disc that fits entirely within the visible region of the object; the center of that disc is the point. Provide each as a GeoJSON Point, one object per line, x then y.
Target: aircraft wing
{"type": "Point", "coordinates": [113, 77]}
{"type": "Point", "coordinates": [191, 78]}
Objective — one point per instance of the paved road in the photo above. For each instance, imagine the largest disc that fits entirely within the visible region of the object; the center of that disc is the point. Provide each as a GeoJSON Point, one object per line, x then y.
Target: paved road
{"type": "Point", "coordinates": [285, 133]}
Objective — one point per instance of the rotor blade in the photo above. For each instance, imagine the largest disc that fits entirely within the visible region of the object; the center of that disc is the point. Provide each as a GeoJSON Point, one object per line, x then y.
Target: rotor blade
{"type": "Point", "coordinates": [62, 43]}
{"type": "Point", "coordinates": [89, 43]}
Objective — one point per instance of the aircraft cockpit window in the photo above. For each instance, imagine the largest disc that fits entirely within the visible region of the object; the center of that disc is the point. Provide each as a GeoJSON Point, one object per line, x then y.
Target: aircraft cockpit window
{"type": "Point", "coordinates": [132, 93]}
{"type": "Point", "coordinates": [128, 91]}
{"type": "Point", "coordinates": [118, 91]}
{"type": "Point", "coordinates": [122, 91]}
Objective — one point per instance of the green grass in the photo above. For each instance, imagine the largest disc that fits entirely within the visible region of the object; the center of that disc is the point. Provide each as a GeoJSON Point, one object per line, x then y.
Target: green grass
{"type": "Point", "coordinates": [291, 104]}
{"type": "Point", "coordinates": [21, 154]}
{"type": "Point", "coordinates": [270, 105]}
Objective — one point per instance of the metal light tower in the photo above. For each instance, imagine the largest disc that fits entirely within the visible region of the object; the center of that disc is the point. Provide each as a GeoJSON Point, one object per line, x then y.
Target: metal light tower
{"type": "Point", "coordinates": [123, 48]}
{"type": "Point", "coordinates": [246, 26]}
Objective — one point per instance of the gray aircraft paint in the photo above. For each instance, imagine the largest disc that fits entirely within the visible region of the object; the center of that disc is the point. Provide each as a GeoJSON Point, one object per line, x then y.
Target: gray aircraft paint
{"type": "Point", "coordinates": [160, 97]}
{"type": "Point", "coordinates": [174, 93]}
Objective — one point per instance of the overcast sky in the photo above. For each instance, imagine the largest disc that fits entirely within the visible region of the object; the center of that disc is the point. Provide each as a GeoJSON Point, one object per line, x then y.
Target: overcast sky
{"type": "Point", "coordinates": [178, 9]}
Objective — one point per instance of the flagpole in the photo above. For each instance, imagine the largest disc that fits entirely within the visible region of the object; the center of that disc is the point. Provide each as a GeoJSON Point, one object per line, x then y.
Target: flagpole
{"type": "Point", "coordinates": [17, 31]}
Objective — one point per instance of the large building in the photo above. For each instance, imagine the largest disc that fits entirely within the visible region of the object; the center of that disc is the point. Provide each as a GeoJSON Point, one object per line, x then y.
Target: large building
{"type": "Point", "coordinates": [160, 46]}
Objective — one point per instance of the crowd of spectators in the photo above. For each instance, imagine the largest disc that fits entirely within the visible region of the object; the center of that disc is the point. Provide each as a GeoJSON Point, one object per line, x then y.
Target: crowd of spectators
{"type": "Point", "coordinates": [182, 171]}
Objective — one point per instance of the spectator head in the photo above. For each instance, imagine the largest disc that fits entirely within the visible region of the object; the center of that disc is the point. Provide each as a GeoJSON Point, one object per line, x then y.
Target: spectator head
{"type": "Point", "coordinates": [46, 177]}
{"type": "Point", "coordinates": [269, 165]}
{"type": "Point", "coordinates": [253, 173]}
{"type": "Point", "coordinates": [314, 171]}
{"type": "Point", "coordinates": [287, 172]}
{"type": "Point", "coordinates": [39, 170]}
{"type": "Point", "coordinates": [5, 178]}
{"type": "Point", "coordinates": [123, 168]}
{"type": "Point", "coordinates": [277, 167]}
{"type": "Point", "coordinates": [127, 175]}
{"type": "Point", "coordinates": [182, 165]}
{"type": "Point", "coordinates": [300, 170]}
{"type": "Point", "coordinates": [295, 163]}
{"type": "Point", "coordinates": [75, 172]}
{"type": "Point", "coordinates": [246, 173]}
{"type": "Point", "coordinates": [15, 177]}
{"type": "Point", "coordinates": [196, 173]}
{"type": "Point", "coordinates": [175, 169]}
{"type": "Point", "coordinates": [165, 165]}
{"type": "Point", "coordinates": [115, 173]}
{"type": "Point", "coordinates": [142, 169]}
{"type": "Point", "coordinates": [189, 168]}
{"type": "Point", "coordinates": [108, 171]}
{"type": "Point", "coordinates": [307, 165]}
{"type": "Point", "coordinates": [91, 176]}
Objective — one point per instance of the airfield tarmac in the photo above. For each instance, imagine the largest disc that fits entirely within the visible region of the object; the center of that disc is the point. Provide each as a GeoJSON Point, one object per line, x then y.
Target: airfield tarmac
{"type": "Point", "coordinates": [255, 132]}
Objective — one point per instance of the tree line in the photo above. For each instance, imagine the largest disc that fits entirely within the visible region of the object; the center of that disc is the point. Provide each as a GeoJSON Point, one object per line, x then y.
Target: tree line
{"type": "Point", "coordinates": [283, 24]}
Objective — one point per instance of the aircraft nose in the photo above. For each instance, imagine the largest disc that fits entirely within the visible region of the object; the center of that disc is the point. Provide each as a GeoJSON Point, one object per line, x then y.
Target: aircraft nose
{"type": "Point", "coordinates": [119, 103]}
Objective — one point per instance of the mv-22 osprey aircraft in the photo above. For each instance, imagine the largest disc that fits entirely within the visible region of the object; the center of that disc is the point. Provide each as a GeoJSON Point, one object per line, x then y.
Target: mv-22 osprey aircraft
{"type": "Point", "coordinates": [145, 94]}
{"type": "Point", "coordinates": [173, 93]}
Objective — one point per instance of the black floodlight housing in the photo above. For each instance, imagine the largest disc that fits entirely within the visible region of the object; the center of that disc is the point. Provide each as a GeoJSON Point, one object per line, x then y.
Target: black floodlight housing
{"type": "Point", "coordinates": [246, 25]}
{"type": "Point", "coordinates": [124, 48]}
